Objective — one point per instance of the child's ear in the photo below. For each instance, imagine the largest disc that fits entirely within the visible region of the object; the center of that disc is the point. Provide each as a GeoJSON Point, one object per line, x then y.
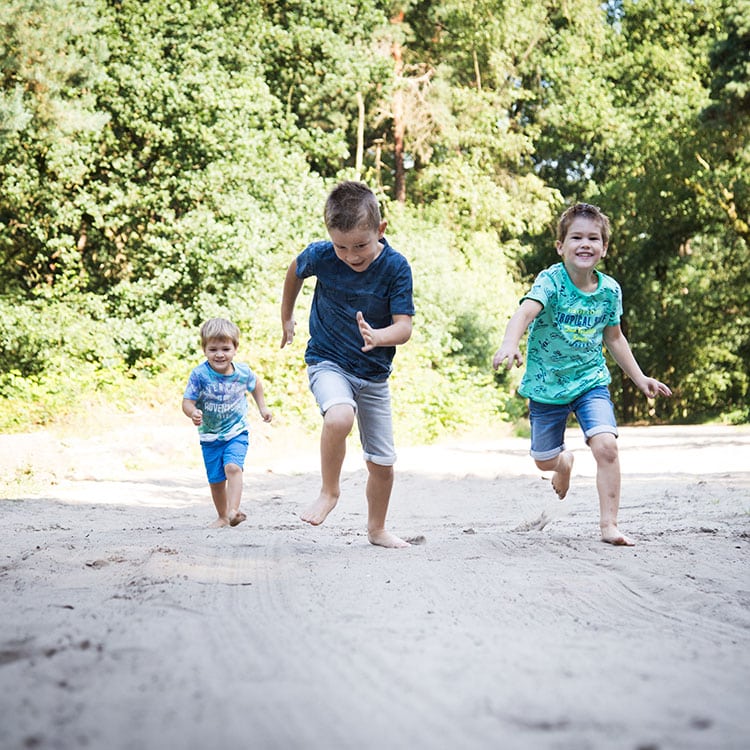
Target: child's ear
{"type": "Point", "coordinates": [558, 247]}
{"type": "Point", "coordinates": [381, 229]}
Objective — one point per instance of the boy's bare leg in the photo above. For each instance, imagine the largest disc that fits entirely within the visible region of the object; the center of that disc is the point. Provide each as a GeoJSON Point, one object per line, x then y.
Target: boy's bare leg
{"type": "Point", "coordinates": [234, 494]}
{"type": "Point", "coordinates": [219, 496]}
{"type": "Point", "coordinates": [604, 448]}
{"type": "Point", "coordinates": [379, 486]}
{"type": "Point", "coordinates": [337, 424]}
{"type": "Point", "coordinates": [561, 467]}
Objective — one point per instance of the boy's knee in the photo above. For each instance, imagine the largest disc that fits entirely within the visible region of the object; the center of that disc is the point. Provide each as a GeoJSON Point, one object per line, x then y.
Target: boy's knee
{"type": "Point", "coordinates": [231, 469]}
{"type": "Point", "coordinates": [379, 470]}
{"type": "Point", "coordinates": [604, 447]}
{"type": "Point", "coordinates": [339, 416]}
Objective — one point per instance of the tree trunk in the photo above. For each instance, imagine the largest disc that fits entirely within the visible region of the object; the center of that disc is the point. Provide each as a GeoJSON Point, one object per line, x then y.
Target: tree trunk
{"type": "Point", "coordinates": [399, 126]}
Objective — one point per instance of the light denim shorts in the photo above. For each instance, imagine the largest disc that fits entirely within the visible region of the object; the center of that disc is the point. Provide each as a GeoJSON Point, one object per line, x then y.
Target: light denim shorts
{"type": "Point", "coordinates": [371, 401]}
{"type": "Point", "coordinates": [218, 453]}
{"type": "Point", "coordinates": [594, 412]}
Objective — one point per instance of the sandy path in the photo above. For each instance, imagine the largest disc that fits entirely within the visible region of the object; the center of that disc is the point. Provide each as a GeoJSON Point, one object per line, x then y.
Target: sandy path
{"type": "Point", "coordinates": [128, 624]}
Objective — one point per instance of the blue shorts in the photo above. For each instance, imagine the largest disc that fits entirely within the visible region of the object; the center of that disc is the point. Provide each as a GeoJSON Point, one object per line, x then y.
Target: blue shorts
{"type": "Point", "coordinates": [594, 412]}
{"type": "Point", "coordinates": [371, 401]}
{"type": "Point", "coordinates": [218, 453]}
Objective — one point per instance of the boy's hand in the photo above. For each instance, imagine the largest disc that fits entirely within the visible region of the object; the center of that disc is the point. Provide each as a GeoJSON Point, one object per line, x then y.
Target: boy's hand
{"type": "Point", "coordinates": [369, 334]}
{"type": "Point", "coordinates": [653, 388]}
{"type": "Point", "coordinates": [512, 355]}
{"type": "Point", "coordinates": [197, 418]}
{"type": "Point", "coordinates": [266, 415]}
{"type": "Point", "coordinates": [288, 335]}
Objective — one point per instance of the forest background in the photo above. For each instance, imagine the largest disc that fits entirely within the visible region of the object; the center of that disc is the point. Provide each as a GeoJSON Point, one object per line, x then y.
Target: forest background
{"type": "Point", "coordinates": [162, 162]}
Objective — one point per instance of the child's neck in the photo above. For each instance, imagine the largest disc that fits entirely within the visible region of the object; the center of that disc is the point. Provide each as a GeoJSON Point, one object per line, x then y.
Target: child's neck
{"type": "Point", "coordinates": [586, 281]}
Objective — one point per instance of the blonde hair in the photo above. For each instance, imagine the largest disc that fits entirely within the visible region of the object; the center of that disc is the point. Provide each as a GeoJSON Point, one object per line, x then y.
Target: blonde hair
{"type": "Point", "coordinates": [219, 329]}
{"type": "Point", "coordinates": [352, 205]}
{"type": "Point", "coordinates": [587, 210]}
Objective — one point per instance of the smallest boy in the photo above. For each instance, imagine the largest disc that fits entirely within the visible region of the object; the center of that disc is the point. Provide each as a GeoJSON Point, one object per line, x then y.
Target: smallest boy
{"type": "Point", "coordinates": [215, 402]}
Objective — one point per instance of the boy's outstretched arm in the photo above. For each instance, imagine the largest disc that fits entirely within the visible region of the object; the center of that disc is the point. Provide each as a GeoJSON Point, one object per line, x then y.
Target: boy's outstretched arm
{"type": "Point", "coordinates": [292, 286]}
{"type": "Point", "coordinates": [399, 332]}
{"type": "Point", "coordinates": [509, 350]}
{"type": "Point", "coordinates": [618, 347]}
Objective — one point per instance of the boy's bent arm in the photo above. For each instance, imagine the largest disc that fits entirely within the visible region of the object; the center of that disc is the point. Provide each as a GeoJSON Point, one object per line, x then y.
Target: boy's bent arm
{"type": "Point", "coordinates": [399, 332]}
{"type": "Point", "coordinates": [514, 331]}
{"type": "Point", "coordinates": [292, 286]}
{"type": "Point", "coordinates": [619, 348]}
{"type": "Point", "coordinates": [260, 401]}
{"type": "Point", "coordinates": [189, 410]}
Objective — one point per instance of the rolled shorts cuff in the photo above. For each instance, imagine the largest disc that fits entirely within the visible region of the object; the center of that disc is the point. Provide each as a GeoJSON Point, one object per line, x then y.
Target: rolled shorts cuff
{"type": "Point", "coordinates": [337, 401]}
{"type": "Point", "coordinates": [599, 430]}
{"type": "Point", "coordinates": [380, 460]}
{"type": "Point", "coordinates": [547, 455]}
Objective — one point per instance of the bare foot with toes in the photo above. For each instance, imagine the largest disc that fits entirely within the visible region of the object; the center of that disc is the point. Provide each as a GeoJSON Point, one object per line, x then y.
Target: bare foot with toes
{"type": "Point", "coordinates": [561, 477]}
{"type": "Point", "coordinates": [383, 538]}
{"type": "Point", "coordinates": [612, 535]}
{"type": "Point", "coordinates": [319, 510]}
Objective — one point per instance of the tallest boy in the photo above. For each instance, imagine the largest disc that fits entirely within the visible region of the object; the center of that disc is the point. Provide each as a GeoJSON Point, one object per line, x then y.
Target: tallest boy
{"type": "Point", "coordinates": [362, 309]}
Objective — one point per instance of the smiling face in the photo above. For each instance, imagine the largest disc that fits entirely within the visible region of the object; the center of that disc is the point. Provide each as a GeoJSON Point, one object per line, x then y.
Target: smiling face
{"type": "Point", "coordinates": [359, 247]}
{"type": "Point", "coordinates": [220, 353]}
{"type": "Point", "coordinates": [583, 246]}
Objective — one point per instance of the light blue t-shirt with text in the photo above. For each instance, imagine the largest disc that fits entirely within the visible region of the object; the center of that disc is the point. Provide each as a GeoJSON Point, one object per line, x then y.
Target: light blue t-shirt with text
{"type": "Point", "coordinates": [222, 399]}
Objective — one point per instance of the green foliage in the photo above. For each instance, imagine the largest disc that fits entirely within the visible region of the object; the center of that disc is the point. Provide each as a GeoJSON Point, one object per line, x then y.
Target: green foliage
{"type": "Point", "coordinates": [163, 162]}
{"type": "Point", "coordinates": [318, 55]}
{"type": "Point", "coordinates": [443, 376]}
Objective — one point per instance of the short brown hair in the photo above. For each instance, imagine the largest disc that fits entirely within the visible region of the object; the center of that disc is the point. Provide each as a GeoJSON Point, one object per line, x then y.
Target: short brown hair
{"type": "Point", "coordinates": [219, 329]}
{"type": "Point", "coordinates": [590, 212]}
{"type": "Point", "coordinates": [352, 205]}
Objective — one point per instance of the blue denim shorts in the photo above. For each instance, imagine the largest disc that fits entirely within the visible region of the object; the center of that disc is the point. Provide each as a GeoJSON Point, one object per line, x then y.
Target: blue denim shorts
{"type": "Point", "coordinates": [218, 453]}
{"type": "Point", "coordinates": [371, 400]}
{"type": "Point", "coordinates": [595, 414]}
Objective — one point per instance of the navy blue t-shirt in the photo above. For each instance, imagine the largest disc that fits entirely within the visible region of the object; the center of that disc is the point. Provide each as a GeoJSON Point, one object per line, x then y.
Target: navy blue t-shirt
{"type": "Point", "coordinates": [380, 292]}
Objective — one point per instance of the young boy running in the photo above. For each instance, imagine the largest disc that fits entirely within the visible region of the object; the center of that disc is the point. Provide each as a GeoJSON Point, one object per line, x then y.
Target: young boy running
{"type": "Point", "coordinates": [362, 309]}
{"type": "Point", "coordinates": [215, 401]}
{"type": "Point", "coordinates": [573, 310]}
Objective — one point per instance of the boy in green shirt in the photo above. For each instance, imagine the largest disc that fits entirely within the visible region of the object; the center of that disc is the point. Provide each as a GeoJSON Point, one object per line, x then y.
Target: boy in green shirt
{"type": "Point", "coordinates": [574, 310]}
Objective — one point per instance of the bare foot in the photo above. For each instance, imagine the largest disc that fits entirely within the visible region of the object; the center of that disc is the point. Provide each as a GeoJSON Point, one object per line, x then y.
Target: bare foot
{"type": "Point", "coordinates": [319, 510]}
{"type": "Point", "coordinates": [383, 538]}
{"type": "Point", "coordinates": [219, 523]}
{"type": "Point", "coordinates": [561, 478]}
{"type": "Point", "coordinates": [612, 535]}
{"type": "Point", "coordinates": [237, 518]}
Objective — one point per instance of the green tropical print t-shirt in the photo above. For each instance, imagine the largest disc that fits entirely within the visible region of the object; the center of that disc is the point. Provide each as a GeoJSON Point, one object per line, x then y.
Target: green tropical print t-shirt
{"type": "Point", "coordinates": [565, 355]}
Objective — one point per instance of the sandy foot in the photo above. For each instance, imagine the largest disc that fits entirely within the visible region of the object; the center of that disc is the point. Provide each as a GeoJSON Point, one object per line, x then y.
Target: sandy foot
{"type": "Point", "coordinates": [561, 478]}
{"type": "Point", "coordinates": [237, 518]}
{"type": "Point", "coordinates": [612, 535]}
{"type": "Point", "coordinates": [319, 510]}
{"type": "Point", "coordinates": [219, 523]}
{"type": "Point", "coordinates": [384, 538]}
